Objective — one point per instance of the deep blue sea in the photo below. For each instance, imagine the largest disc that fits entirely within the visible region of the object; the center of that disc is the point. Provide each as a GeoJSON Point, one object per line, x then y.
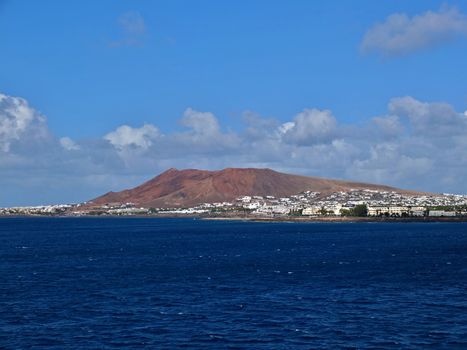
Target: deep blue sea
{"type": "Point", "coordinates": [85, 283]}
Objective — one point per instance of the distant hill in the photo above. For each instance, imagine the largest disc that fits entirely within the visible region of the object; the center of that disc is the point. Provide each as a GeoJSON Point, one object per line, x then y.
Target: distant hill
{"type": "Point", "coordinates": [190, 187]}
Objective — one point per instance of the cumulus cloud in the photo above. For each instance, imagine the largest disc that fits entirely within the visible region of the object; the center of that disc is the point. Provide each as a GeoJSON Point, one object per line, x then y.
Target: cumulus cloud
{"type": "Point", "coordinates": [19, 122]}
{"type": "Point", "coordinates": [419, 145]}
{"type": "Point", "coordinates": [258, 127]}
{"type": "Point", "coordinates": [401, 34]}
{"type": "Point", "coordinates": [133, 30]}
{"type": "Point", "coordinates": [125, 136]}
{"type": "Point", "coordinates": [434, 119]}
{"type": "Point", "coordinates": [388, 126]}
{"type": "Point", "coordinates": [202, 123]}
{"type": "Point", "coordinates": [312, 126]}
{"type": "Point", "coordinates": [204, 134]}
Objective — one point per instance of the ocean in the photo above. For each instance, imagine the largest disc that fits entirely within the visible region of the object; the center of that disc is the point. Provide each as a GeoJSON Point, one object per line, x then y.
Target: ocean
{"type": "Point", "coordinates": [132, 283]}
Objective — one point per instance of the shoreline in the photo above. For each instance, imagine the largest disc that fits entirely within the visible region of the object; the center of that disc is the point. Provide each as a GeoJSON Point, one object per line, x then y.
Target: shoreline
{"type": "Point", "coordinates": [294, 219]}
{"type": "Point", "coordinates": [340, 219]}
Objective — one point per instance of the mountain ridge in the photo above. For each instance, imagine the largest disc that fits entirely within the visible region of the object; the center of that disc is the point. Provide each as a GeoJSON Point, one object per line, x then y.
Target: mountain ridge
{"type": "Point", "coordinates": [191, 187]}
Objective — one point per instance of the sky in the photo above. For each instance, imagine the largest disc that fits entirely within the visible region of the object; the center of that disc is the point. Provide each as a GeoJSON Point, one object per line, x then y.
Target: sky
{"type": "Point", "coordinates": [101, 95]}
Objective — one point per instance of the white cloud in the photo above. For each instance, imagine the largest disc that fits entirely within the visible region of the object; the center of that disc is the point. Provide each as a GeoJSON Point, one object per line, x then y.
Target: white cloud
{"type": "Point", "coordinates": [286, 127]}
{"type": "Point", "coordinates": [312, 126]}
{"type": "Point", "coordinates": [400, 34]}
{"type": "Point", "coordinates": [204, 135]}
{"type": "Point", "coordinates": [258, 127]}
{"type": "Point", "coordinates": [419, 145]}
{"type": "Point", "coordinates": [389, 126]}
{"type": "Point", "coordinates": [388, 162]}
{"type": "Point", "coordinates": [125, 136]}
{"type": "Point", "coordinates": [434, 119]}
{"type": "Point", "coordinates": [68, 144]}
{"type": "Point", "coordinates": [19, 122]}
{"type": "Point", "coordinates": [202, 123]}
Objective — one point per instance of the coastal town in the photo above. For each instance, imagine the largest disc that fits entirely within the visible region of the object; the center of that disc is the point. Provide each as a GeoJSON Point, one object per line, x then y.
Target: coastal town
{"type": "Point", "coordinates": [353, 203]}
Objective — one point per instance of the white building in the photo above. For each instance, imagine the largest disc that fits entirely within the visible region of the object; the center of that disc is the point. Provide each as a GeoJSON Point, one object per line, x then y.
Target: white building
{"type": "Point", "coordinates": [252, 205]}
{"type": "Point", "coordinates": [272, 210]}
{"type": "Point", "coordinates": [312, 211]}
{"type": "Point", "coordinates": [417, 211]}
{"type": "Point", "coordinates": [398, 211]}
{"type": "Point", "coordinates": [441, 213]}
{"type": "Point", "coordinates": [245, 199]}
{"type": "Point", "coordinates": [377, 211]}
{"type": "Point", "coordinates": [334, 209]}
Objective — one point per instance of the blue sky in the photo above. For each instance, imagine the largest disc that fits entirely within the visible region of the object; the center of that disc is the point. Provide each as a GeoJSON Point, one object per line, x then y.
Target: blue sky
{"type": "Point", "coordinates": [90, 67]}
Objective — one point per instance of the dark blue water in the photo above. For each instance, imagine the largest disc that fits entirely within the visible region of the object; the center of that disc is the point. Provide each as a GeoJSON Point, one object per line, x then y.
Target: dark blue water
{"type": "Point", "coordinates": [169, 283]}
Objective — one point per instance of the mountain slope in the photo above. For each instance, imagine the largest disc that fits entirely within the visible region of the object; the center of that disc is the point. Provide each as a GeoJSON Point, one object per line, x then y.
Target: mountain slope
{"type": "Point", "coordinates": [184, 188]}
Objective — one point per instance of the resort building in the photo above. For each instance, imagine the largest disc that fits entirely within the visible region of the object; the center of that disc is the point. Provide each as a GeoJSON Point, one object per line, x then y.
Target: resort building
{"type": "Point", "coordinates": [441, 213]}
{"type": "Point", "coordinates": [312, 211]}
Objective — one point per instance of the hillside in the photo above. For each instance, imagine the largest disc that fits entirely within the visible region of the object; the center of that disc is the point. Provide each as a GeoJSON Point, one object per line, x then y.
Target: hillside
{"type": "Point", "coordinates": [189, 187]}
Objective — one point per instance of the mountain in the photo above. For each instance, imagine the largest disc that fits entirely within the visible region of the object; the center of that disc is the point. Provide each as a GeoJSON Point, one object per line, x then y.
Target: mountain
{"type": "Point", "coordinates": [190, 187]}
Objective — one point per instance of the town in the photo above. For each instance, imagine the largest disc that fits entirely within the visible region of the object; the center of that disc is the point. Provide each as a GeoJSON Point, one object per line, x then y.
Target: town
{"type": "Point", "coordinates": [371, 203]}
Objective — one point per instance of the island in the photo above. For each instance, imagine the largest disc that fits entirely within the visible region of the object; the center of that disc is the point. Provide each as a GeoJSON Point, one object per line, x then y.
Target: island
{"type": "Point", "coordinates": [261, 194]}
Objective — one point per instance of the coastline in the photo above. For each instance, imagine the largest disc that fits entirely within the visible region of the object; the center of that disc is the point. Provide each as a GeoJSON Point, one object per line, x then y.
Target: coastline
{"type": "Point", "coordinates": [291, 219]}
{"type": "Point", "coordinates": [341, 219]}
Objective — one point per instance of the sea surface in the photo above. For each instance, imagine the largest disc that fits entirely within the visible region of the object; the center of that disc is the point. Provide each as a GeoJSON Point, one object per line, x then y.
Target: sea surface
{"type": "Point", "coordinates": [132, 283]}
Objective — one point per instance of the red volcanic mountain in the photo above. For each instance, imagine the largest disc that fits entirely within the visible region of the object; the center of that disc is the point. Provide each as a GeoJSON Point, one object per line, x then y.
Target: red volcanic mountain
{"type": "Point", "coordinates": [190, 187]}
